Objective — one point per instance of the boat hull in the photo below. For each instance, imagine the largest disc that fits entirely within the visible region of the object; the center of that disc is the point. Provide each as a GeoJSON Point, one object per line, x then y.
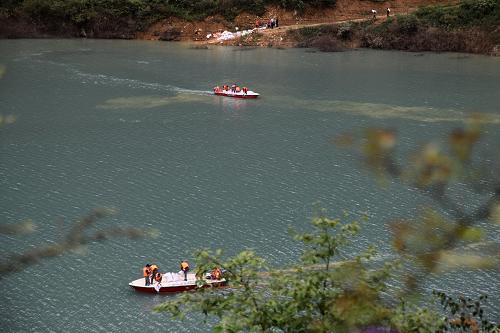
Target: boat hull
{"type": "Point", "coordinates": [236, 95]}
{"type": "Point", "coordinates": [175, 283]}
{"type": "Point", "coordinates": [177, 289]}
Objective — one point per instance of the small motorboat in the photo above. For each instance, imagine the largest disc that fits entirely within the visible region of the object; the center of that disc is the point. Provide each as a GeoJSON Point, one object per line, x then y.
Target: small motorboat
{"type": "Point", "coordinates": [174, 283]}
{"type": "Point", "coordinates": [235, 92]}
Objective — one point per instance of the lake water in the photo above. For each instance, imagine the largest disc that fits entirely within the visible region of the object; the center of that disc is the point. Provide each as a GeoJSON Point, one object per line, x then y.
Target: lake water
{"type": "Point", "coordinates": [132, 125]}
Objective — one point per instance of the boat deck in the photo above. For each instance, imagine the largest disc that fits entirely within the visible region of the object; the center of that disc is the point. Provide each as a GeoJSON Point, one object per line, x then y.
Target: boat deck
{"type": "Point", "coordinates": [173, 280]}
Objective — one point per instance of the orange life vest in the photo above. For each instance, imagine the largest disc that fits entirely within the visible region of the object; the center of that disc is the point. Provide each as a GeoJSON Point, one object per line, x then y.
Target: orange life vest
{"type": "Point", "coordinates": [158, 277]}
{"type": "Point", "coordinates": [216, 273]}
{"type": "Point", "coordinates": [153, 268]}
{"type": "Point", "coordinates": [146, 271]}
{"type": "Point", "coordinates": [184, 265]}
{"type": "Point", "coordinates": [238, 89]}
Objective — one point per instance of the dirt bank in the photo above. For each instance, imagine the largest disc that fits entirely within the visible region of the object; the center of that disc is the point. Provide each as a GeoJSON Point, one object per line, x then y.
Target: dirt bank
{"type": "Point", "coordinates": [175, 29]}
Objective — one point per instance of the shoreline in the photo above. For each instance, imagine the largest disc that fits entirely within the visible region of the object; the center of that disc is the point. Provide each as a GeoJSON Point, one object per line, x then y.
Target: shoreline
{"type": "Point", "coordinates": [410, 27]}
{"type": "Point", "coordinates": [323, 37]}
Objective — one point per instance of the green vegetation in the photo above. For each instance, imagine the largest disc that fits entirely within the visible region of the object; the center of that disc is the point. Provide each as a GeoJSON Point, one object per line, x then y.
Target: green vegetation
{"type": "Point", "coordinates": [332, 290]}
{"type": "Point", "coordinates": [323, 294]}
{"type": "Point", "coordinates": [470, 26]}
{"type": "Point", "coordinates": [313, 296]}
{"type": "Point", "coordinates": [484, 13]}
{"type": "Point", "coordinates": [88, 13]}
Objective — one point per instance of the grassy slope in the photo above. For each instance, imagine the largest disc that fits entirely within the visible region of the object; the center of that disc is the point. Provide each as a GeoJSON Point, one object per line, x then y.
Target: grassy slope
{"type": "Point", "coordinates": [471, 26]}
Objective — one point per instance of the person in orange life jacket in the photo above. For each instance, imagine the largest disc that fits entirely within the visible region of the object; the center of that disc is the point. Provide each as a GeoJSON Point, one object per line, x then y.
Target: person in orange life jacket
{"type": "Point", "coordinates": [237, 89]}
{"type": "Point", "coordinates": [158, 277]}
{"type": "Point", "coordinates": [185, 268]}
{"type": "Point", "coordinates": [245, 90]}
{"type": "Point", "coordinates": [216, 273]}
{"type": "Point", "coordinates": [146, 272]}
{"type": "Point", "coordinates": [154, 270]}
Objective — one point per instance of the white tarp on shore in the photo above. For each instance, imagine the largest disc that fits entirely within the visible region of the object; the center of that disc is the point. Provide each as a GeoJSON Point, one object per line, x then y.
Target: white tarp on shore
{"type": "Point", "coordinates": [227, 35]}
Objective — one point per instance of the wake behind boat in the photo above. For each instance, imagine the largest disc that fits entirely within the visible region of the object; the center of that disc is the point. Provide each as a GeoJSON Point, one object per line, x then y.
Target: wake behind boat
{"type": "Point", "coordinates": [174, 283]}
{"type": "Point", "coordinates": [235, 92]}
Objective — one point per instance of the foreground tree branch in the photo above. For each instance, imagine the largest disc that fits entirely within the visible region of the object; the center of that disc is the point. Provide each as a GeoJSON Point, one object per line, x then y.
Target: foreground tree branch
{"type": "Point", "coordinates": [79, 235]}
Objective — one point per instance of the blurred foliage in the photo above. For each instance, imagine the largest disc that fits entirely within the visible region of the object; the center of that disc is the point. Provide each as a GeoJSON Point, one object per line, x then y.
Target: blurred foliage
{"type": "Point", "coordinates": [465, 314]}
{"type": "Point", "coordinates": [79, 235]}
{"type": "Point", "coordinates": [24, 227]}
{"type": "Point", "coordinates": [324, 293]}
{"type": "Point", "coordinates": [436, 239]}
{"type": "Point", "coordinates": [316, 295]}
{"type": "Point", "coordinates": [319, 294]}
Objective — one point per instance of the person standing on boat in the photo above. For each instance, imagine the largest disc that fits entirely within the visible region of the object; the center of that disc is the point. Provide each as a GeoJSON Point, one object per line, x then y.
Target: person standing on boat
{"type": "Point", "coordinates": [154, 270]}
{"type": "Point", "coordinates": [146, 271]}
{"type": "Point", "coordinates": [245, 90]}
{"type": "Point", "coordinates": [185, 268]}
{"type": "Point", "coordinates": [216, 274]}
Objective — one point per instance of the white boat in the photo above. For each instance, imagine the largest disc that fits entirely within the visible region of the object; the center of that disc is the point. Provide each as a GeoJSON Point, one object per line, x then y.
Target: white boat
{"type": "Point", "coordinates": [174, 283]}
{"type": "Point", "coordinates": [235, 94]}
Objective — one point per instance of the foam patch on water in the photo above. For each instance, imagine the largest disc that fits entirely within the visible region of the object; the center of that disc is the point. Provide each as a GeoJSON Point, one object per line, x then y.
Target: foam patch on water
{"type": "Point", "coordinates": [147, 102]}
{"type": "Point", "coordinates": [387, 111]}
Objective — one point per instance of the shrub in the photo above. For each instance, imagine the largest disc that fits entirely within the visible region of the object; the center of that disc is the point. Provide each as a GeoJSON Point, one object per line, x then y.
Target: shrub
{"type": "Point", "coordinates": [408, 24]}
{"type": "Point", "coordinates": [345, 31]}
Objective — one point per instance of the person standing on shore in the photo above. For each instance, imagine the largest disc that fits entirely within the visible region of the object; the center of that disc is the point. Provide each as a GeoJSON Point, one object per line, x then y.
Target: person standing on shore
{"type": "Point", "coordinates": [388, 11]}
{"type": "Point", "coordinates": [374, 13]}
